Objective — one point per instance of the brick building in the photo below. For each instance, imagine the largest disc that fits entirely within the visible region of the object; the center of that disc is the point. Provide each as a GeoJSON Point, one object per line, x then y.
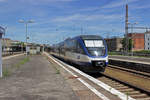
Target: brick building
{"type": "Point", "coordinates": [138, 41]}
{"type": "Point", "coordinates": [141, 41]}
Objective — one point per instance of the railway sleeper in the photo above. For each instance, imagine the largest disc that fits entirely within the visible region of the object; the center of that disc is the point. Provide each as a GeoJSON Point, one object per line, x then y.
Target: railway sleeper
{"type": "Point", "coordinates": [147, 98]}
{"type": "Point", "coordinates": [133, 92]}
{"type": "Point", "coordinates": [107, 81]}
{"type": "Point", "coordinates": [113, 82]}
{"type": "Point", "coordinates": [139, 96]}
{"type": "Point", "coordinates": [127, 90]}
{"type": "Point", "coordinates": [118, 85]}
{"type": "Point", "coordinates": [124, 87]}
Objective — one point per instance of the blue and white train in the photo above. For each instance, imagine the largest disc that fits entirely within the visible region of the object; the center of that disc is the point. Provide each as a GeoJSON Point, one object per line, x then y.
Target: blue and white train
{"type": "Point", "coordinates": [89, 52]}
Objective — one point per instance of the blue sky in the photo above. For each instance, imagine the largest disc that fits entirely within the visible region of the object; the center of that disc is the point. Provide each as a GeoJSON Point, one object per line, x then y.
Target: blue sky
{"type": "Point", "coordinates": [56, 20]}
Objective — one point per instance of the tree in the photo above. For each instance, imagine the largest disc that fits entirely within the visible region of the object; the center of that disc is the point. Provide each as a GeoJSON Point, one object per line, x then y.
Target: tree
{"type": "Point", "coordinates": [130, 45]}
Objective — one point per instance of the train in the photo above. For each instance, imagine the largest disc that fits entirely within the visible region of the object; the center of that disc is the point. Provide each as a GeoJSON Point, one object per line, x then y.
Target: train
{"type": "Point", "coordinates": [89, 52]}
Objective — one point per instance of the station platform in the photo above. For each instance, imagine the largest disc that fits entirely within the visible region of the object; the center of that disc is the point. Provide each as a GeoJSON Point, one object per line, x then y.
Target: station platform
{"type": "Point", "coordinates": [140, 60]}
{"type": "Point", "coordinates": [37, 79]}
{"type": "Point", "coordinates": [41, 78]}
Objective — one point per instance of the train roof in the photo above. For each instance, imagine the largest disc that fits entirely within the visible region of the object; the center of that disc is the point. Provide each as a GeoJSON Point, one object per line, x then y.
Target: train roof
{"type": "Point", "coordinates": [86, 37]}
{"type": "Point", "coordinates": [90, 37]}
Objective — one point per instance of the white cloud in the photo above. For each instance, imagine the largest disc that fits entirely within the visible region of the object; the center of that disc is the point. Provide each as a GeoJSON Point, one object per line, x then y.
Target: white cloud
{"type": "Point", "coordinates": [118, 3]}
{"type": "Point", "coordinates": [68, 18]}
{"type": "Point", "coordinates": [2, 0]}
{"type": "Point", "coordinates": [35, 1]}
{"type": "Point", "coordinates": [140, 7]}
{"type": "Point", "coordinates": [90, 9]}
{"type": "Point", "coordinates": [79, 17]}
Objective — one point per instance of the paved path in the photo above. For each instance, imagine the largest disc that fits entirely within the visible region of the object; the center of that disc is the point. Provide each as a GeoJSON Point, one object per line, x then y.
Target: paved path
{"type": "Point", "coordinates": [36, 80]}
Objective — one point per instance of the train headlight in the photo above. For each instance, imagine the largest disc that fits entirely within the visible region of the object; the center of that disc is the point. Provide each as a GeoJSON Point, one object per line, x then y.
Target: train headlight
{"type": "Point", "coordinates": [99, 63]}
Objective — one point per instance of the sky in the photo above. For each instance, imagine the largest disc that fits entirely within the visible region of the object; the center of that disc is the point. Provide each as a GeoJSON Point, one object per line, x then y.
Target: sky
{"type": "Point", "coordinates": [56, 20]}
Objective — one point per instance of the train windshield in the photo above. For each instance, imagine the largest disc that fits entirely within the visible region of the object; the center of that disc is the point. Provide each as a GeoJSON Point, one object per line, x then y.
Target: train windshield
{"type": "Point", "coordinates": [95, 47]}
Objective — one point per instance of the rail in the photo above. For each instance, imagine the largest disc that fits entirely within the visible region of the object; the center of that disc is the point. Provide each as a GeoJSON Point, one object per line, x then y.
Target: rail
{"type": "Point", "coordinates": [147, 75]}
{"type": "Point", "coordinates": [135, 88]}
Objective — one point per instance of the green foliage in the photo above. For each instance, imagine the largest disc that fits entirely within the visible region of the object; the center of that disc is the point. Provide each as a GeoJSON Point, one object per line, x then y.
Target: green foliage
{"type": "Point", "coordinates": [6, 72]}
{"type": "Point", "coordinates": [113, 53]}
{"type": "Point", "coordinates": [130, 45]}
{"type": "Point", "coordinates": [57, 71]}
{"type": "Point", "coordinates": [123, 42]}
{"type": "Point", "coordinates": [143, 51]}
{"type": "Point", "coordinates": [22, 62]}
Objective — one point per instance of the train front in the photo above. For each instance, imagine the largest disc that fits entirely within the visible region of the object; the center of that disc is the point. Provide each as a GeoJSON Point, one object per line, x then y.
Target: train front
{"type": "Point", "coordinates": [96, 49]}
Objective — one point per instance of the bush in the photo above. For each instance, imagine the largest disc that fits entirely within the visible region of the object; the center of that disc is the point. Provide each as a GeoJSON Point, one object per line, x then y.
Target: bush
{"type": "Point", "coordinates": [143, 51]}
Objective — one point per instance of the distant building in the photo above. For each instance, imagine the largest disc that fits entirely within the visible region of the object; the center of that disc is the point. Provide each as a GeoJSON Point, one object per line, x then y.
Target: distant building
{"type": "Point", "coordinates": [147, 41]}
{"type": "Point", "coordinates": [34, 48]}
{"type": "Point", "coordinates": [11, 45]}
{"type": "Point", "coordinates": [114, 44]}
{"type": "Point", "coordinates": [6, 44]}
{"type": "Point", "coordinates": [138, 41]}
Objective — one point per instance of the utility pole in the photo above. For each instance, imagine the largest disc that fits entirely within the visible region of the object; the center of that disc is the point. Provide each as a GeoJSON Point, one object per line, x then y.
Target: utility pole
{"type": "Point", "coordinates": [107, 35]}
{"type": "Point", "coordinates": [82, 30]}
{"type": "Point", "coordinates": [126, 29]}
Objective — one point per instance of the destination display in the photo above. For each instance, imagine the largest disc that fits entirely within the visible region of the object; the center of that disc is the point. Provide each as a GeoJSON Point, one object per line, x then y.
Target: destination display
{"type": "Point", "coordinates": [93, 43]}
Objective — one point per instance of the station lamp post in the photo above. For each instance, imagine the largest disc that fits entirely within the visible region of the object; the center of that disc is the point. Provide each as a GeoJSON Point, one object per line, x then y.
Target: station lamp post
{"type": "Point", "coordinates": [26, 25]}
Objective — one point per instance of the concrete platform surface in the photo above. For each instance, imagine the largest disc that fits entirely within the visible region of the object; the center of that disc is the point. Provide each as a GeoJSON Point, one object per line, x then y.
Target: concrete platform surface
{"type": "Point", "coordinates": [143, 60]}
{"type": "Point", "coordinates": [36, 80]}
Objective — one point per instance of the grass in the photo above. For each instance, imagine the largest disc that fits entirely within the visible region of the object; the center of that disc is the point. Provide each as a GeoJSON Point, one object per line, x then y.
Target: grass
{"type": "Point", "coordinates": [142, 53]}
{"type": "Point", "coordinates": [7, 71]}
{"type": "Point", "coordinates": [113, 53]}
{"type": "Point", "coordinates": [57, 70]}
{"type": "Point", "coordinates": [22, 62]}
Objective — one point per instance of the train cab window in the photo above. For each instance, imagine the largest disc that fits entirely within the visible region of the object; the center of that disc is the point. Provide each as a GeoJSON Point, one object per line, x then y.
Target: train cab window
{"type": "Point", "coordinates": [95, 47]}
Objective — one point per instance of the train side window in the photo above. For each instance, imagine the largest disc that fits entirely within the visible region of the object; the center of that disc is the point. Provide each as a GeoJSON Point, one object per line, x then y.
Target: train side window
{"type": "Point", "coordinates": [74, 46]}
{"type": "Point", "coordinates": [68, 45]}
{"type": "Point", "coordinates": [80, 49]}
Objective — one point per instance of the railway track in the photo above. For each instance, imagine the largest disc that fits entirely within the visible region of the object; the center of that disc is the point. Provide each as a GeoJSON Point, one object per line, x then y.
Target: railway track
{"type": "Point", "coordinates": [131, 90]}
{"type": "Point", "coordinates": [141, 74]}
